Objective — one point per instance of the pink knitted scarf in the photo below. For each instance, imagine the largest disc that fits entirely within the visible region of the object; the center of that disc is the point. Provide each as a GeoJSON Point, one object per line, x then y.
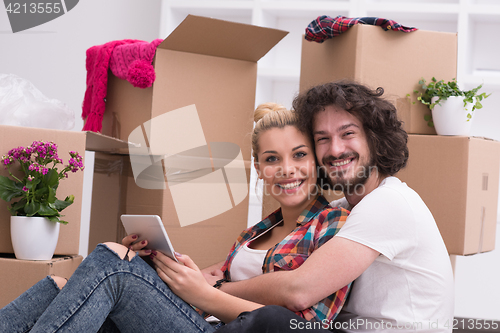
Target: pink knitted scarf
{"type": "Point", "coordinates": [132, 61]}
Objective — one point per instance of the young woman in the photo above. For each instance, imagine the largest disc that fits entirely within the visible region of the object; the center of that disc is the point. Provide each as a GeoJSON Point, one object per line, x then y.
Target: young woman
{"type": "Point", "coordinates": [114, 288]}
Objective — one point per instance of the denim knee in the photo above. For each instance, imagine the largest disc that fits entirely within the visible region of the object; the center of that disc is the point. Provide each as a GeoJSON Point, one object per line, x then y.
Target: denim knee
{"type": "Point", "coordinates": [103, 245]}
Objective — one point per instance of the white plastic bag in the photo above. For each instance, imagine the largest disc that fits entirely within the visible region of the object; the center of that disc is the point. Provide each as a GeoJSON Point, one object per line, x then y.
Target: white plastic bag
{"type": "Point", "coordinates": [22, 104]}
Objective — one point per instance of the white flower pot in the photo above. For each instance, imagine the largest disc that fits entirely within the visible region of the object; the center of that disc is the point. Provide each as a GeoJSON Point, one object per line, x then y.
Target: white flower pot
{"type": "Point", "coordinates": [450, 118]}
{"type": "Point", "coordinates": [33, 238]}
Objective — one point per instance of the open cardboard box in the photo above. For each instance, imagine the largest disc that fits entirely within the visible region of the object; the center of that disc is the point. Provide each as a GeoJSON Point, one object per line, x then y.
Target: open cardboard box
{"type": "Point", "coordinates": [204, 61]}
{"type": "Point", "coordinates": [393, 60]}
{"type": "Point", "coordinates": [199, 109]}
{"type": "Point", "coordinates": [14, 136]}
{"type": "Point", "coordinates": [11, 285]}
{"type": "Point", "coordinates": [457, 177]}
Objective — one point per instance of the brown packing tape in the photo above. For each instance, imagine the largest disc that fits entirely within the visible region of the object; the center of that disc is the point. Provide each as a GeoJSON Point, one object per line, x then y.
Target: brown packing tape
{"type": "Point", "coordinates": [484, 138]}
{"type": "Point", "coordinates": [108, 167]}
{"type": "Point", "coordinates": [115, 125]}
{"type": "Point", "coordinates": [481, 234]}
{"type": "Point", "coordinates": [483, 185]}
{"type": "Point", "coordinates": [483, 214]}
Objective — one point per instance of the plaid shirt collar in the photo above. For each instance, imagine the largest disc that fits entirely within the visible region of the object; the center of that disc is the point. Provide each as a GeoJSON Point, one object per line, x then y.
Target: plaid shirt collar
{"type": "Point", "coordinates": [312, 210]}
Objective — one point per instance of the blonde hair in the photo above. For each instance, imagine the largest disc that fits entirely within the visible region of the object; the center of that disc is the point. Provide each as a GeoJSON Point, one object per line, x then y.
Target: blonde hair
{"type": "Point", "coordinates": [268, 116]}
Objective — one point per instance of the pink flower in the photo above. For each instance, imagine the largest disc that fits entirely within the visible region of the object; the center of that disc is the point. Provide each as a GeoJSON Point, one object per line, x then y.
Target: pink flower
{"type": "Point", "coordinates": [7, 160]}
{"type": "Point", "coordinates": [39, 158]}
{"type": "Point", "coordinates": [25, 189]}
{"type": "Point", "coordinates": [75, 163]}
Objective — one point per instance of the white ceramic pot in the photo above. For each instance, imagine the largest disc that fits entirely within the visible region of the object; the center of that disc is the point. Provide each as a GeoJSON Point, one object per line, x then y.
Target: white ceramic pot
{"type": "Point", "coordinates": [450, 118]}
{"type": "Point", "coordinates": [33, 238]}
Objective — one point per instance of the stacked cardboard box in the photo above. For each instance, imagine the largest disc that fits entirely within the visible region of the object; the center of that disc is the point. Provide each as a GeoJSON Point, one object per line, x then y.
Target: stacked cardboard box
{"type": "Point", "coordinates": [457, 177]}
{"type": "Point", "coordinates": [393, 60]}
{"type": "Point", "coordinates": [67, 258]}
{"type": "Point", "coordinates": [199, 109]}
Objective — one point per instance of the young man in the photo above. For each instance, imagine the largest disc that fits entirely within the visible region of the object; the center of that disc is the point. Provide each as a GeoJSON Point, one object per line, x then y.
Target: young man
{"type": "Point", "coordinates": [390, 244]}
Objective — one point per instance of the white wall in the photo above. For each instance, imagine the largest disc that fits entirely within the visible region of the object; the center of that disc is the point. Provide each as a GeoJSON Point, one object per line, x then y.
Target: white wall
{"type": "Point", "coordinates": [52, 55]}
{"type": "Point", "coordinates": [477, 284]}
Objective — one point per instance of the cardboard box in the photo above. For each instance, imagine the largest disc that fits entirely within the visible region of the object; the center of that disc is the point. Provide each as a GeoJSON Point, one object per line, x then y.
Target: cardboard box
{"type": "Point", "coordinates": [13, 136]}
{"type": "Point", "coordinates": [11, 285]}
{"type": "Point", "coordinates": [205, 62]}
{"type": "Point", "coordinates": [193, 125]}
{"type": "Point", "coordinates": [393, 60]}
{"type": "Point", "coordinates": [457, 177]}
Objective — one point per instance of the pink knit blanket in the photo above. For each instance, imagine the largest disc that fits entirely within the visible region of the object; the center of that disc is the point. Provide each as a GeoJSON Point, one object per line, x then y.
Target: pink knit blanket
{"type": "Point", "coordinates": [132, 62]}
{"type": "Point", "coordinates": [128, 59]}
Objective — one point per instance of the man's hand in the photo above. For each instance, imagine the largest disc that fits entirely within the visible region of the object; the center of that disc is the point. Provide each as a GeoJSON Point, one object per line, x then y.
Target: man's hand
{"type": "Point", "coordinates": [213, 276]}
{"type": "Point", "coordinates": [213, 273]}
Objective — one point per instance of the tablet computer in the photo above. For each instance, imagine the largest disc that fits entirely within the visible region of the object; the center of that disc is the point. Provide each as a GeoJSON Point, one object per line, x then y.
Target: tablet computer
{"type": "Point", "coordinates": [150, 228]}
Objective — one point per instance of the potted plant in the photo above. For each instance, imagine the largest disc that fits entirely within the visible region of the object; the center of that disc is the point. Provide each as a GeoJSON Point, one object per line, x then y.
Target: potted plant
{"type": "Point", "coordinates": [36, 216]}
{"type": "Point", "coordinates": [452, 109]}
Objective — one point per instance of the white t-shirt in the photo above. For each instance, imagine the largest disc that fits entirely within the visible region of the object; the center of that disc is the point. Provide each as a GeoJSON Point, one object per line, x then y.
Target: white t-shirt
{"type": "Point", "coordinates": [247, 263]}
{"type": "Point", "coordinates": [410, 285]}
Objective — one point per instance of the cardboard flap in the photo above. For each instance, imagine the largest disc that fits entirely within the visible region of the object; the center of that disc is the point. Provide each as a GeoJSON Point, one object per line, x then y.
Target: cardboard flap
{"type": "Point", "coordinates": [99, 142]}
{"type": "Point", "coordinates": [203, 35]}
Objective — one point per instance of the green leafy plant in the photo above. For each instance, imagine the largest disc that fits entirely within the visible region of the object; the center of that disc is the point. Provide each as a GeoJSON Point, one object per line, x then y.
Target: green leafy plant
{"type": "Point", "coordinates": [37, 187]}
{"type": "Point", "coordinates": [442, 90]}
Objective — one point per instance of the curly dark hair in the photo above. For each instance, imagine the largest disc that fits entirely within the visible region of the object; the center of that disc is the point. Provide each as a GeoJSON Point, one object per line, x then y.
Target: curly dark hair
{"type": "Point", "coordinates": [386, 137]}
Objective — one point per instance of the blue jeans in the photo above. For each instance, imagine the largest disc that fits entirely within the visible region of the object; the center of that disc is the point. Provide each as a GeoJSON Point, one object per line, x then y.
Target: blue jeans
{"type": "Point", "coordinates": [104, 288]}
{"type": "Point", "coordinates": [108, 294]}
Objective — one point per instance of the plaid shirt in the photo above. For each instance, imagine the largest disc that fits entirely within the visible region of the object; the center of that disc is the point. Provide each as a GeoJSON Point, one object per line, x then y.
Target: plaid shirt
{"type": "Point", "coordinates": [325, 27]}
{"type": "Point", "coordinates": [315, 226]}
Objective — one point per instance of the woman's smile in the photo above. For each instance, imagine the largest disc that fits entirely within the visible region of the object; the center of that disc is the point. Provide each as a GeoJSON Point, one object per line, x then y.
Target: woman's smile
{"type": "Point", "coordinates": [287, 166]}
{"type": "Point", "coordinates": [290, 185]}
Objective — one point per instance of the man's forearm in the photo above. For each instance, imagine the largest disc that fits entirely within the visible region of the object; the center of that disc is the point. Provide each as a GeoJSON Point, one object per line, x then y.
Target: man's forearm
{"type": "Point", "coordinates": [295, 289]}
